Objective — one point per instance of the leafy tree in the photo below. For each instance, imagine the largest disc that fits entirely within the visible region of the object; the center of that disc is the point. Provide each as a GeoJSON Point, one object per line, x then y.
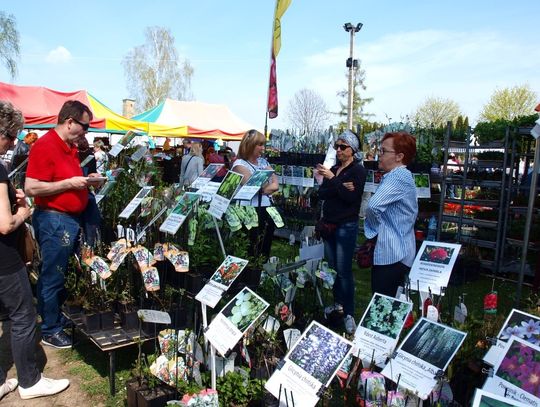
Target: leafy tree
{"type": "Point", "coordinates": [307, 112]}
{"type": "Point", "coordinates": [436, 111]}
{"type": "Point", "coordinates": [9, 43]}
{"type": "Point", "coordinates": [359, 103]}
{"type": "Point", "coordinates": [509, 103]}
{"type": "Point", "coordinates": [154, 70]}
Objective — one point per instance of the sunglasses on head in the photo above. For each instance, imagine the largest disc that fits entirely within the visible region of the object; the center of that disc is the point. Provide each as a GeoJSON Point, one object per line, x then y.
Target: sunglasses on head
{"type": "Point", "coordinates": [85, 126]}
{"type": "Point", "coordinates": [341, 147]}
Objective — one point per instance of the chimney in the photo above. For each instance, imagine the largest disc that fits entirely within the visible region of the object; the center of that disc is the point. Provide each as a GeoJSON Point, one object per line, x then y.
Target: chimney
{"type": "Point", "coordinates": [128, 108]}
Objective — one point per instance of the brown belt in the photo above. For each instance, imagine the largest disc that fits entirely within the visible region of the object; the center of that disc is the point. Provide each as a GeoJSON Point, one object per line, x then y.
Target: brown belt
{"type": "Point", "coordinates": [54, 211]}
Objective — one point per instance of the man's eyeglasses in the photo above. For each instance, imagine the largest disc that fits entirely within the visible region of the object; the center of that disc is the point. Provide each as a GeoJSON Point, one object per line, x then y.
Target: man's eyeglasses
{"type": "Point", "coordinates": [341, 147]}
{"type": "Point", "coordinates": [85, 126]}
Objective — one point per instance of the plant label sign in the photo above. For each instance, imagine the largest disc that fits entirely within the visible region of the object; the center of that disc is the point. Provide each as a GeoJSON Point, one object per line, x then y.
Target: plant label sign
{"type": "Point", "coordinates": [379, 329]}
{"type": "Point", "coordinates": [122, 143]}
{"type": "Point", "coordinates": [179, 213]}
{"type": "Point", "coordinates": [234, 320]}
{"type": "Point", "coordinates": [310, 364]}
{"type": "Point", "coordinates": [519, 324]}
{"type": "Point", "coordinates": [484, 398]}
{"type": "Point", "coordinates": [222, 198]}
{"type": "Point", "coordinates": [373, 179]}
{"type": "Point", "coordinates": [423, 186]}
{"type": "Point", "coordinates": [254, 183]}
{"type": "Point", "coordinates": [205, 177]}
{"type": "Point", "coordinates": [426, 350]}
{"type": "Point", "coordinates": [433, 265]}
{"type": "Point", "coordinates": [516, 373]}
{"type": "Point", "coordinates": [104, 191]}
{"type": "Point", "coordinates": [221, 280]}
{"type": "Point", "coordinates": [135, 202]}
{"type": "Point", "coordinates": [151, 315]}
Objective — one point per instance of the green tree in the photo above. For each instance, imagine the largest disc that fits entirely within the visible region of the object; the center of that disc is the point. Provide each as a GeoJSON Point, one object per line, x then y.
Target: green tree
{"type": "Point", "coordinates": [435, 111]}
{"type": "Point", "coordinates": [154, 70]}
{"type": "Point", "coordinates": [9, 43]}
{"type": "Point", "coordinates": [509, 103]}
{"type": "Point", "coordinates": [307, 112]}
{"type": "Point", "coordinates": [360, 116]}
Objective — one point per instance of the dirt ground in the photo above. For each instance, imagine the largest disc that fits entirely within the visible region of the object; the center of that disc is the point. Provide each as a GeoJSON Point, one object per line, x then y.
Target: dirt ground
{"type": "Point", "coordinates": [52, 366]}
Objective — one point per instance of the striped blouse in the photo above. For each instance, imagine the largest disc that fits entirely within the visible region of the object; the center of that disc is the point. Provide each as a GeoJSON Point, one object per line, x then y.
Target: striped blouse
{"type": "Point", "coordinates": [390, 215]}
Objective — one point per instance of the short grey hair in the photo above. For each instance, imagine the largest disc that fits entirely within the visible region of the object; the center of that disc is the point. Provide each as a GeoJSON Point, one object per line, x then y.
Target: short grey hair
{"type": "Point", "coordinates": [11, 120]}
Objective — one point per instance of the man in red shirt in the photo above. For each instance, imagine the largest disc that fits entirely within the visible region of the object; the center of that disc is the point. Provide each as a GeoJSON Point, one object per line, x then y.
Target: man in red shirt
{"type": "Point", "coordinates": [55, 179]}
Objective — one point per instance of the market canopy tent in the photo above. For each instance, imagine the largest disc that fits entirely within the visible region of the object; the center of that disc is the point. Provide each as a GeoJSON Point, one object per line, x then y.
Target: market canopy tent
{"type": "Point", "coordinates": [40, 107]}
{"type": "Point", "coordinates": [204, 120]}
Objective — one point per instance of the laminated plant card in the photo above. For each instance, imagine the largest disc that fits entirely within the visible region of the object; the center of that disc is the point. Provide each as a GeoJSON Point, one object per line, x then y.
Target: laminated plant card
{"type": "Point", "coordinates": [205, 177]}
{"type": "Point", "coordinates": [224, 194]}
{"type": "Point", "coordinates": [234, 320]}
{"type": "Point", "coordinates": [100, 266]}
{"type": "Point", "coordinates": [104, 190]}
{"type": "Point", "coordinates": [159, 254]}
{"type": "Point", "coordinates": [179, 213]}
{"type": "Point", "coordinates": [433, 265]}
{"type": "Point", "coordinates": [116, 247]}
{"type": "Point", "coordinates": [139, 153]}
{"type": "Point", "coordinates": [379, 329]}
{"type": "Point", "coordinates": [122, 143]}
{"type": "Point", "coordinates": [373, 179]}
{"type": "Point", "coordinates": [520, 324]}
{"type": "Point", "coordinates": [135, 202]}
{"type": "Point", "coordinates": [423, 186]}
{"type": "Point", "coordinates": [484, 398]}
{"type": "Point", "coordinates": [151, 279]}
{"type": "Point", "coordinates": [143, 257]}
{"type": "Point", "coordinates": [517, 372]}
{"type": "Point", "coordinates": [118, 258]}
{"type": "Point", "coordinates": [221, 280]}
{"type": "Point", "coordinates": [253, 184]}
{"type": "Point", "coordinates": [426, 350]}
{"type": "Point", "coordinates": [309, 366]}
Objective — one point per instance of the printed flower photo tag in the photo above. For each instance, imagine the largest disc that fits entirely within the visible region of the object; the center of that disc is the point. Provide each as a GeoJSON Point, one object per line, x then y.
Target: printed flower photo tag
{"type": "Point", "coordinates": [151, 279]}
{"type": "Point", "coordinates": [99, 265]}
{"type": "Point", "coordinates": [117, 247]}
{"type": "Point", "coordinates": [143, 257]}
{"type": "Point", "coordinates": [180, 261]}
{"type": "Point", "coordinates": [118, 258]}
{"type": "Point", "coordinates": [159, 254]}
{"type": "Point", "coordinates": [160, 369]}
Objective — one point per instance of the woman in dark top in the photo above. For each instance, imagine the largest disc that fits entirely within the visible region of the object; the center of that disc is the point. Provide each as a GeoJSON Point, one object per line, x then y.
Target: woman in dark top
{"type": "Point", "coordinates": [15, 291]}
{"type": "Point", "coordinates": [342, 190]}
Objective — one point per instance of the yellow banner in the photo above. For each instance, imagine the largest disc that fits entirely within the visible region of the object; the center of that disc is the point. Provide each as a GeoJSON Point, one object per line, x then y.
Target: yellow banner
{"type": "Point", "coordinates": [281, 7]}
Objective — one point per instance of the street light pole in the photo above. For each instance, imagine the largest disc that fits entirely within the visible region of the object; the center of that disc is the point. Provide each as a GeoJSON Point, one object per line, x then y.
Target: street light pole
{"type": "Point", "coordinates": [352, 64]}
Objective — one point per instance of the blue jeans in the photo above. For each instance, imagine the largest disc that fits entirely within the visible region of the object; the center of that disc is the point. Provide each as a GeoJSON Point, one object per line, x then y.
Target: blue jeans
{"type": "Point", "coordinates": [338, 251]}
{"type": "Point", "coordinates": [16, 298]}
{"type": "Point", "coordinates": [56, 234]}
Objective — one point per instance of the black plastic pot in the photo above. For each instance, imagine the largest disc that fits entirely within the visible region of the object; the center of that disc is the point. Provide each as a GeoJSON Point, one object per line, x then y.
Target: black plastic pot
{"type": "Point", "coordinates": [129, 320]}
{"type": "Point", "coordinates": [91, 321]}
{"type": "Point", "coordinates": [107, 320]}
{"type": "Point", "coordinates": [156, 397]}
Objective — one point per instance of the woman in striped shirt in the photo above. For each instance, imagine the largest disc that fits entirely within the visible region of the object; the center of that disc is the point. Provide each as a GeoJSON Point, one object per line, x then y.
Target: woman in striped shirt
{"type": "Point", "coordinates": [391, 213]}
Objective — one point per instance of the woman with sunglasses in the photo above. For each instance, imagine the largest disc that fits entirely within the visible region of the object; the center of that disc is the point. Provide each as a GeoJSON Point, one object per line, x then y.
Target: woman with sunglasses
{"type": "Point", "coordinates": [391, 213]}
{"type": "Point", "coordinates": [15, 292]}
{"type": "Point", "coordinates": [341, 190]}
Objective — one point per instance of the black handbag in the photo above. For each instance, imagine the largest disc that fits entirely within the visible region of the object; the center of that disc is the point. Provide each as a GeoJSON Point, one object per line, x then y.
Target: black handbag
{"type": "Point", "coordinates": [324, 229]}
{"type": "Point", "coordinates": [364, 255]}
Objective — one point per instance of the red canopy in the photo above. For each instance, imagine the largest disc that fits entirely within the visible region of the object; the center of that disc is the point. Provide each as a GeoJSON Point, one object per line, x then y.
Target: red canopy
{"type": "Point", "coordinates": [40, 105]}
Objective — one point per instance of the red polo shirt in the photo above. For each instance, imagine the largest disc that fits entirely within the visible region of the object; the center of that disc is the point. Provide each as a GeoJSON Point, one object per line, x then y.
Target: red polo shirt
{"type": "Point", "coordinates": [50, 160]}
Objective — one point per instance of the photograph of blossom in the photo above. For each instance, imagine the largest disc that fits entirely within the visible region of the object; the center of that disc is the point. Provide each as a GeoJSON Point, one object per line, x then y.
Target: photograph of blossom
{"type": "Point", "coordinates": [319, 352]}
{"type": "Point", "coordinates": [421, 180]}
{"type": "Point", "coordinates": [522, 325]}
{"type": "Point", "coordinates": [229, 270]}
{"type": "Point", "coordinates": [371, 386]}
{"type": "Point", "coordinates": [244, 309]}
{"type": "Point", "coordinates": [437, 254]}
{"type": "Point", "coordinates": [484, 398]}
{"type": "Point", "coordinates": [521, 367]}
{"type": "Point", "coordinates": [370, 176]}
{"type": "Point", "coordinates": [385, 315]}
{"type": "Point", "coordinates": [433, 342]}
{"type": "Point", "coordinates": [377, 176]}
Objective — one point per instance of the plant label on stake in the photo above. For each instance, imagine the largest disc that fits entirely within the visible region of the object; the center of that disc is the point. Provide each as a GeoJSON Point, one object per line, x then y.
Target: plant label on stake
{"type": "Point", "coordinates": [135, 202]}
{"type": "Point", "coordinates": [206, 176]}
{"type": "Point", "coordinates": [104, 191]}
{"type": "Point", "coordinates": [224, 194]}
{"type": "Point", "coordinates": [123, 143]}
{"type": "Point", "coordinates": [254, 183]}
{"type": "Point", "coordinates": [179, 213]}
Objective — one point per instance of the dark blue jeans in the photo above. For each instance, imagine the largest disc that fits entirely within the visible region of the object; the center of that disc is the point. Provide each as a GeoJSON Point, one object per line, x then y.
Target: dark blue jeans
{"type": "Point", "coordinates": [16, 299]}
{"type": "Point", "coordinates": [338, 251]}
{"type": "Point", "coordinates": [56, 234]}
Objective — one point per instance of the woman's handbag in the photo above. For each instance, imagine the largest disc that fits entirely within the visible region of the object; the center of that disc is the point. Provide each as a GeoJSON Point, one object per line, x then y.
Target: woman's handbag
{"type": "Point", "coordinates": [364, 255]}
{"type": "Point", "coordinates": [325, 230]}
{"type": "Point", "coordinates": [26, 245]}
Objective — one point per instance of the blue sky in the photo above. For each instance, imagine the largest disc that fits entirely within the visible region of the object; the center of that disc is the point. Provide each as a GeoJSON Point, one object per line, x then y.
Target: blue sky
{"type": "Point", "coordinates": [462, 50]}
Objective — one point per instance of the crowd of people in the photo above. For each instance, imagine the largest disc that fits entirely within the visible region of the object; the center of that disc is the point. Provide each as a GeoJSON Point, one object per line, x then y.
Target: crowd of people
{"type": "Point", "coordinates": [61, 166]}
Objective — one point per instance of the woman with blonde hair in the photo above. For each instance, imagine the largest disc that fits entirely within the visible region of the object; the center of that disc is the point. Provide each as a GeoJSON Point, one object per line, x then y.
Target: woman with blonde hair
{"type": "Point", "coordinates": [192, 165]}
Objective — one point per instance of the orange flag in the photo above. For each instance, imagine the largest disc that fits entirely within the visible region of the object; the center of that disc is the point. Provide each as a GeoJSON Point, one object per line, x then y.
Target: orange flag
{"type": "Point", "coordinates": [272, 106]}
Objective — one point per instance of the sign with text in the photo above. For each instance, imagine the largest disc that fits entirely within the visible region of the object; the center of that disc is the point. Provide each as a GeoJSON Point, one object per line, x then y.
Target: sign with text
{"type": "Point", "coordinates": [205, 177]}
{"type": "Point", "coordinates": [123, 143]}
{"type": "Point", "coordinates": [426, 350]}
{"type": "Point", "coordinates": [433, 265]}
{"type": "Point", "coordinates": [221, 200]}
{"type": "Point", "coordinates": [135, 202]}
{"type": "Point", "coordinates": [484, 398]}
{"type": "Point", "coordinates": [379, 329]}
{"type": "Point", "coordinates": [179, 213]}
{"type": "Point", "coordinates": [515, 373]}
{"type": "Point", "coordinates": [254, 183]}
{"type": "Point", "coordinates": [295, 175]}
{"type": "Point", "coordinates": [310, 364]}
{"type": "Point", "coordinates": [234, 320]}
{"type": "Point", "coordinates": [105, 189]}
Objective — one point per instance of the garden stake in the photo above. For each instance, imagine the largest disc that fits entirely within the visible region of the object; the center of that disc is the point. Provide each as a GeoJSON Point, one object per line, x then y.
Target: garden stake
{"type": "Point", "coordinates": [292, 399]}
{"type": "Point", "coordinates": [372, 360]}
{"type": "Point", "coordinates": [286, 398]}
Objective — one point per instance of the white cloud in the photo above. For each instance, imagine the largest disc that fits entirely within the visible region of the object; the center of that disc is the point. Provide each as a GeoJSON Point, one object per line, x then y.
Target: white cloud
{"type": "Point", "coordinates": [402, 69]}
{"type": "Point", "coordinates": [59, 55]}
